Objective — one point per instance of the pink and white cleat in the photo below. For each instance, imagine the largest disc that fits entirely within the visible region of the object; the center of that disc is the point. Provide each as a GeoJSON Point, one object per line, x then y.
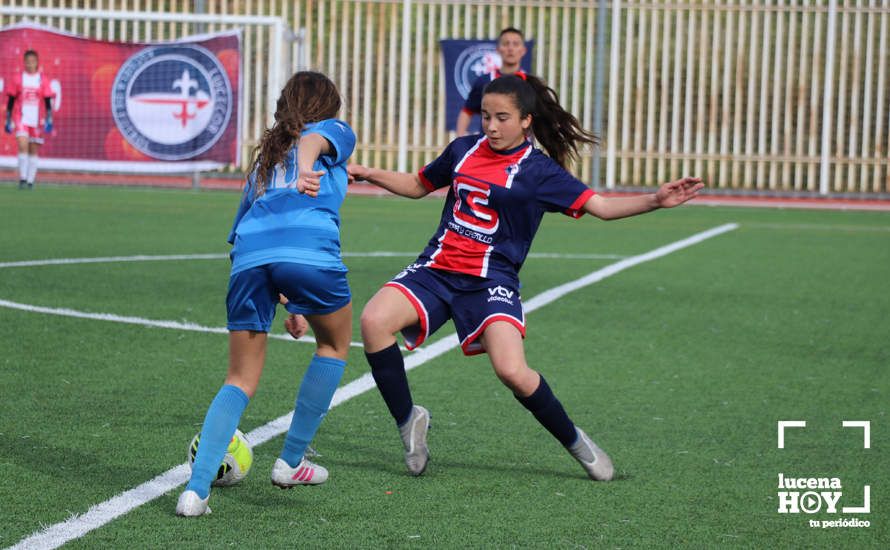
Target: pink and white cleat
{"type": "Point", "coordinates": [306, 473]}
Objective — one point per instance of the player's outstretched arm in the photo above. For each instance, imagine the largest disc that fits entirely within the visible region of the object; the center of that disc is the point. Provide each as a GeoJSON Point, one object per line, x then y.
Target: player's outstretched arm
{"type": "Point", "coordinates": [311, 146]}
{"type": "Point", "coordinates": [400, 183]}
{"type": "Point", "coordinates": [668, 195]}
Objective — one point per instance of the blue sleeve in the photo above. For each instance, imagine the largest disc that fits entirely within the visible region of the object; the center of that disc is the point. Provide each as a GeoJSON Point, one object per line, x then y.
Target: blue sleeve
{"type": "Point", "coordinates": [473, 104]}
{"type": "Point", "coordinates": [439, 173]}
{"type": "Point", "coordinates": [339, 135]}
{"type": "Point", "coordinates": [243, 207]}
{"type": "Point", "coordinates": [559, 191]}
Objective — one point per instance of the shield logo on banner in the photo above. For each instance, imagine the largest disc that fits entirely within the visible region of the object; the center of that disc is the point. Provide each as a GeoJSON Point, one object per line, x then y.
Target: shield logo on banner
{"type": "Point", "coordinates": [464, 62]}
{"type": "Point", "coordinates": [474, 62]}
{"type": "Point", "coordinates": [172, 102]}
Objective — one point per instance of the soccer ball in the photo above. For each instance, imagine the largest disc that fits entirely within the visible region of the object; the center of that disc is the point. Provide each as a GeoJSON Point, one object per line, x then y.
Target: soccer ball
{"type": "Point", "coordinates": [236, 463]}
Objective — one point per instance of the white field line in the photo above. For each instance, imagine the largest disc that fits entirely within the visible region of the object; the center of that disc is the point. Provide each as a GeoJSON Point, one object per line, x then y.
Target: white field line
{"type": "Point", "coordinates": [178, 257]}
{"type": "Point", "coordinates": [821, 227]}
{"type": "Point", "coordinates": [77, 526]}
{"type": "Point", "coordinates": [176, 325]}
{"type": "Point", "coordinates": [113, 259]}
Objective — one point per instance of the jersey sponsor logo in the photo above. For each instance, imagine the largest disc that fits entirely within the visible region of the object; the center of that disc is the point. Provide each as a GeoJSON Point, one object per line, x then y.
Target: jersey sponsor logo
{"type": "Point", "coordinates": [500, 294]}
{"type": "Point", "coordinates": [411, 268]}
{"type": "Point", "coordinates": [172, 102]}
{"type": "Point", "coordinates": [472, 63]}
{"type": "Point", "coordinates": [471, 208]}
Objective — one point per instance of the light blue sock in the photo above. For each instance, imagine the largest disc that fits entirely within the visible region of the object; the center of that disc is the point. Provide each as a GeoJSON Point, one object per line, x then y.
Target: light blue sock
{"type": "Point", "coordinates": [219, 427]}
{"type": "Point", "coordinates": [313, 400]}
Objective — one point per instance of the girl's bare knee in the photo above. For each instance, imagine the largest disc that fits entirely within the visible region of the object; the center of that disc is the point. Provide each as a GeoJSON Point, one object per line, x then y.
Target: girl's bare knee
{"type": "Point", "coordinates": [338, 350]}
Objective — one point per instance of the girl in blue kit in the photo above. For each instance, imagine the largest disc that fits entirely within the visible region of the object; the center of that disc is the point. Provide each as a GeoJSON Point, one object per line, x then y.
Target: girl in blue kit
{"type": "Point", "coordinates": [286, 241]}
{"type": "Point", "coordinates": [499, 187]}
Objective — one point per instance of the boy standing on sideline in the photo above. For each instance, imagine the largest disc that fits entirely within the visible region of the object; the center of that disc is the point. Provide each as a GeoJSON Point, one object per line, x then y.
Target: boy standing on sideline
{"type": "Point", "coordinates": [511, 48]}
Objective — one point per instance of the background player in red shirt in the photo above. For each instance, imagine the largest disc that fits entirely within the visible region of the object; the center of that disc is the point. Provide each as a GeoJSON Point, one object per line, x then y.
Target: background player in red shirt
{"type": "Point", "coordinates": [500, 186]}
{"type": "Point", "coordinates": [511, 48]}
{"type": "Point", "coordinates": [27, 90]}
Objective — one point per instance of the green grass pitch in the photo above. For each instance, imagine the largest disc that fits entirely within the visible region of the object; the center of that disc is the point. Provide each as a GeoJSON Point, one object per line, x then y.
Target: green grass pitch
{"type": "Point", "coordinates": [679, 367]}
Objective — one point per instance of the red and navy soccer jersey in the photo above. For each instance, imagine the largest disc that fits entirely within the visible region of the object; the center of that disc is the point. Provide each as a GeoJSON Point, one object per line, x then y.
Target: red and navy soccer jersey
{"type": "Point", "coordinates": [494, 205]}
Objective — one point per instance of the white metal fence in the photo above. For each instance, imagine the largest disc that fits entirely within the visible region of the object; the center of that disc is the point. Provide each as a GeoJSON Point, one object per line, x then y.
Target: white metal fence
{"type": "Point", "coordinates": [737, 91]}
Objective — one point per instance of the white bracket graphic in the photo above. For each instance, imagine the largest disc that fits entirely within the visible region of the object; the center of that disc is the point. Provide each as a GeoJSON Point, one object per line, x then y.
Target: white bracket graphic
{"type": "Point", "coordinates": [788, 424]}
{"type": "Point", "coordinates": [866, 503]}
{"type": "Point", "coordinates": [866, 436]}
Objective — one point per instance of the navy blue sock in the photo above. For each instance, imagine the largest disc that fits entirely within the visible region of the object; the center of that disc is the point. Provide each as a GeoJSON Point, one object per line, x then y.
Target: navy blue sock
{"type": "Point", "coordinates": [313, 401]}
{"type": "Point", "coordinates": [549, 412]}
{"type": "Point", "coordinates": [388, 370]}
{"type": "Point", "coordinates": [219, 427]}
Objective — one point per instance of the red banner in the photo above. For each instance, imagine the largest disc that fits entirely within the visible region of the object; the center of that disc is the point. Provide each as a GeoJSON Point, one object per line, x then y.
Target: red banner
{"type": "Point", "coordinates": [167, 106]}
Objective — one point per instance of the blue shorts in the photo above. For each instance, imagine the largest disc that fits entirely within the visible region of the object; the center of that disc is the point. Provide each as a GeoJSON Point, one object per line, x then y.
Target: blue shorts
{"type": "Point", "coordinates": [310, 290]}
{"type": "Point", "coordinates": [471, 302]}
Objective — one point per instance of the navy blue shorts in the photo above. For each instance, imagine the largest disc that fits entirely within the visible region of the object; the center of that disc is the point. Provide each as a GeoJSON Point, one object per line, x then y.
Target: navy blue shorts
{"type": "Point", "coordinates": [310, 290]}
{"type": "Point", "coordinates": [471, 302]}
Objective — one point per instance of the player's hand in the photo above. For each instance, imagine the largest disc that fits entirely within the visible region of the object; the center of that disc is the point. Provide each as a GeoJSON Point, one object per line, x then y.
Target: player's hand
{"type": "Point", "coordinates": [357, 172]}
{"type": "Point", "coordinates": [309, 181]}
{"type": "Point", "coordinates": [677, 192]}
{"type": "Point", "coordinates": [48, 125]}
{"type": "Point", "coordinates": [9, 126]}
{"type": "Point", "coordinates": [296, 325]}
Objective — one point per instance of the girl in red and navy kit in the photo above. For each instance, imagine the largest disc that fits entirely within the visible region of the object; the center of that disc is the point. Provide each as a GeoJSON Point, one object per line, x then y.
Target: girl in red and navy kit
{"type": "Point", "coordinates": [500, 186]}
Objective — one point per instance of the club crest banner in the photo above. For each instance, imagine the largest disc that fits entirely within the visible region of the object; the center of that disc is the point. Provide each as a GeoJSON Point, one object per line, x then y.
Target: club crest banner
{"type": "Point", "coordinates": [464, 62]}
{"type": "Point", "coordinates": [162, 107]}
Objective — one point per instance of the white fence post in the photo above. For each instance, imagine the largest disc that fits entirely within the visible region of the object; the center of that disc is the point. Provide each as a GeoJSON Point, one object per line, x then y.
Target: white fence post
{"type": "Point", "coordinates": [827, 100]}
{"type": "Point", "coordinates": [402, 159]}
{"type": "Point", "coordinates": [613, 94]}
{"type": "Point", "coordinates": [275, 80]}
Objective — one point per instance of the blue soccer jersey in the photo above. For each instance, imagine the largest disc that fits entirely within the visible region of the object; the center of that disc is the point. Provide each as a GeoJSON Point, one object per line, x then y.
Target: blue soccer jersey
{"type": "Point", "coordinates": [283, 225]}
{"type": "Point", "coordinates": [495, 203]}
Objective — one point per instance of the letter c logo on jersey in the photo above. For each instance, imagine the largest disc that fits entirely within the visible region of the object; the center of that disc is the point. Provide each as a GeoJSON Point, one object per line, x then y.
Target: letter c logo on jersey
{"type": "Point", "coordinates": [471, 207]}
{"type": "Point", "coordinates": [172, 102]}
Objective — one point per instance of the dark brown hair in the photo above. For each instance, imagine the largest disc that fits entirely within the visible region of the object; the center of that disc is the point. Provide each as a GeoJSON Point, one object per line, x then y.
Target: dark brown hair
{"type": "Point", "coordinates": [556, 129]}
{"type": "Point", "coordinates": [513, 30]}
{"type": "Point", "coordinates": [307, 97]}
{"type": "Point", "coordinates": [30, 52]}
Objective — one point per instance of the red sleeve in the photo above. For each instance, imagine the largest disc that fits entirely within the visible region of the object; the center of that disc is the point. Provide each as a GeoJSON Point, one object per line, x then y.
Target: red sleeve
{"type": "Point", "coordinates": [15, 85]}
{"type": "Point", "coordinates": [576, 210]}
{"type": "Point", "coordinates": [560, 191]}
{"type": "Point", "coordinates": [425, 181]}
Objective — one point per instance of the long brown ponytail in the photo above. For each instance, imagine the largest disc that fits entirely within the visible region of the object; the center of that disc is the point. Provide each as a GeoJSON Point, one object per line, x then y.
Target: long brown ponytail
{"type": "Point", "coordinates": [557, 130]}
{"type": "Point", "coordinates": [307, 97]}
